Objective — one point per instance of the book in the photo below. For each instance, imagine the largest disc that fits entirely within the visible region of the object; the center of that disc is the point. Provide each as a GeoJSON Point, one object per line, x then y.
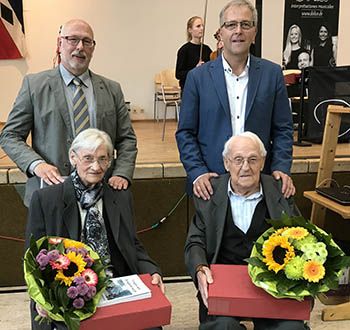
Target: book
{"type": "Point", "coordinates": [124, 289]}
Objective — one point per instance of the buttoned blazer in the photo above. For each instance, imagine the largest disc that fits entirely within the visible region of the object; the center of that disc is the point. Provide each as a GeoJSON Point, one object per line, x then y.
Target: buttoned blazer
{"type": "Point", "coordinates": [206, 230]}
{"type": "Point", "coordinates": [205, 119]}
{"type": "Point", "coordinates": [54, 212]}
{"type": "Point", "coordinates": [41, 108]}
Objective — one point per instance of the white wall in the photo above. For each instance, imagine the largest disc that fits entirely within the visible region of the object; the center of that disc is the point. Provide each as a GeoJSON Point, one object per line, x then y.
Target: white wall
{"type": "Point", "coordinates": [135, 39]}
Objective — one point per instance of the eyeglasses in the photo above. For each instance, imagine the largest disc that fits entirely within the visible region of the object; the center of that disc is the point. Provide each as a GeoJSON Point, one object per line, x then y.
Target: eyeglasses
{"type": "Point", "coordinates": [239, 161]}
{"type": "Point", "coordinates": [233, 25]}
{"type": "Point", "coordinates": [88, 160]}
{"type": "Point", "coordinates": [74, 41]}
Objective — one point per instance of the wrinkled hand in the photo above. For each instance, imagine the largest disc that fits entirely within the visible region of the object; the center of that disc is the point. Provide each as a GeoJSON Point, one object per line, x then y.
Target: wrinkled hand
{"type": "Point", "coordinates": [118, 183]}
{"type": "Point", "coordinates": [157, 280]}
{"type": "Point", "coordinates": [204, 277]}
{"type": "Point", "coordinates": [202, 187]}
{"type": "Point", "coordinates": [288, 188]}
{"type": "Point", "coordinates": [41, 311]}
{"type": "Point", "coordinates": [48, 173]}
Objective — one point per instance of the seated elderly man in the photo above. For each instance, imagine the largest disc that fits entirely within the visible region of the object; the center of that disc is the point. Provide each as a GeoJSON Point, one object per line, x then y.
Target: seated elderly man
{"type": "Point", "coordinates": [224, 228]}
{"type": "Point", "coordinates": [85, 208]}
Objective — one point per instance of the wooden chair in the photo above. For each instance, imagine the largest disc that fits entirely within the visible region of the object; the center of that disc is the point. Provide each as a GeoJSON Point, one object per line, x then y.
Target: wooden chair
{"type": "Point", "coordinates": [170, 94]}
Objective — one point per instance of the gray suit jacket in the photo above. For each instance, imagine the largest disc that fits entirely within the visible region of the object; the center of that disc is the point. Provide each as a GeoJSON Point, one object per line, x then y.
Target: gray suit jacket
{"type": "Point", "coordinates": [41, 108]}
{"type": "Point", "coordinates": [207, 227]}
{"type": "Point", "coordinates": [54, 212]}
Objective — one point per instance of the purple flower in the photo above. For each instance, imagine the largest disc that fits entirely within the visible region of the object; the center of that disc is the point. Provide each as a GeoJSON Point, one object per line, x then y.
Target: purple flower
{"type": "Point", "coordinates": [43, 251]}
{"type": "Point", "coordinates": [72, 249]}
{"type": "Point", "coordinates": [83, 289]}
{"type": "Point", "coordinates": [53, 255]}
{"type": "Point", "coordinates": [42, 260]}
{"type": "Point", "coordinates": [92, 291]}
{"type": "Point", "coordinates": [79, 280]}
{"type": "Point", "coordinates": [87, 297]}
{"type": "Point", "coordinates": [78, 303]}
{"type": "Point", "coordinates": [82, 251]}
{"type": "Point", "coordinates": [72, 292]}
{"type": "Point", "coordinates": [89, 261]}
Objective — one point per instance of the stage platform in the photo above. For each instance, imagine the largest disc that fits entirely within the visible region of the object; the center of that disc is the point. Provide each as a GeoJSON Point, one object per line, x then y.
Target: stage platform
{"type": "Point", "coordinates": [159, 183]}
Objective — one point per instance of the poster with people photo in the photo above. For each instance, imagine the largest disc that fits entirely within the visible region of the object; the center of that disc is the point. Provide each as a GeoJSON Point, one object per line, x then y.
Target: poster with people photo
{"type": "Point", "coordinates": [310, 33]}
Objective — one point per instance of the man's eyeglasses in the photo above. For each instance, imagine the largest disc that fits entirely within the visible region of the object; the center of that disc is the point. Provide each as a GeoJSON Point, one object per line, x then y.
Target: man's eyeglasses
{"type": "Point", "coordinates": [233, 25]}
{"type": "Point", "coordinates": [88, 160]}
{"type": "Point", "coordinates": [74, 41]}
{"type": "Point", "coordinates": [239, 161]}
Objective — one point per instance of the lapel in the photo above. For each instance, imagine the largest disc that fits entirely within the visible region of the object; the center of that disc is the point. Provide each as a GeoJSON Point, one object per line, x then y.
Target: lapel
{"type": "Point", "coordinates": [275, 202]}
{"type": "Point", "coordinates": [99, 92]}
{"type": "Point", "coordinates": [253, 83]}
{"type": "Point", "coordinates": [71, 215]}
{"type": "Point", "coordinates": [56, 84]}
{"type": "Point", "coordinates": [219, 209]}
{"type": "Point", "coordinates": [110, 204]}
{"type": "Point", "coordinates": [217, 75]}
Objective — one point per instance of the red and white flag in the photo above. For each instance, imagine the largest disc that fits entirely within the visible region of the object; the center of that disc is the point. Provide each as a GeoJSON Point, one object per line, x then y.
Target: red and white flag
{"type": "Point", "coordinates": [12, 42]}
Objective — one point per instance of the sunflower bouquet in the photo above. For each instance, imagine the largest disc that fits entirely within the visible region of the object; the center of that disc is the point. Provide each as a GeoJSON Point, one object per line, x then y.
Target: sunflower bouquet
{"type": "Point", "coordinates": [64, 277]}
{"type": "Point", "coordinates": [295, 258]}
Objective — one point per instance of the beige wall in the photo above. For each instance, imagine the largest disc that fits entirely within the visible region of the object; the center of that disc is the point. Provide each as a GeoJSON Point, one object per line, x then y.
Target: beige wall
{"type": "Point", "coordinates": [135, 39]}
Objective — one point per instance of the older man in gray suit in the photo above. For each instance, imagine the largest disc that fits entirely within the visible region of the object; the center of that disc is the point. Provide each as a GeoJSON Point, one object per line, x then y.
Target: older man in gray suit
{"type": "Point", "coordinates": [45, 107]}
{"type": "Point", "coordinates": [225, 227]}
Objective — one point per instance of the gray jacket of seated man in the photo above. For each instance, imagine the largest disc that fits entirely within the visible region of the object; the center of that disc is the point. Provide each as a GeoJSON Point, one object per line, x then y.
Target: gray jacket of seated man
{"type": "Point", "coordinates": [211, 229]}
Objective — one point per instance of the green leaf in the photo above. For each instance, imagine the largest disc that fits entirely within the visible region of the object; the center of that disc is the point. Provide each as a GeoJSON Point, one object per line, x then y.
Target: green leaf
{"type": "Point", "coordinates": [255, 261]}
{"type": "Point", "coordinates": [334, 251]}
{"type": "Point", "coordinates": [284, 285]}
{"type": "Point", "coordinates": [32, 245]}
{"type": "Point", "coordinates": [62, 297]}
{"type": "Point", "coordinates": [314, 288]}
{"type": "Point", "coordinates": [72, 320]}
{"type": "Point", "coordinates": [298, 288]}
{"type": "Point", "coordinates": [265, 276]}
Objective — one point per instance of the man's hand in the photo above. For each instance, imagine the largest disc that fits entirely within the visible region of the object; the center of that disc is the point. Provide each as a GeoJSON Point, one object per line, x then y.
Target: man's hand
{"type": "Point", "coordinates": [118, 183]}
{"type": "Point", "coordinates": [157, 280]}
{"type": "Point", "coordinates": [204, 277]}
{"type": "Point", "coordinates": [48, 173]}
{"type": "Point", "coordinates": [41, 311]}
{"type": "Point", "coordinates": [202, 187]}
{"type": "Point", "coordinates": [288, 188]}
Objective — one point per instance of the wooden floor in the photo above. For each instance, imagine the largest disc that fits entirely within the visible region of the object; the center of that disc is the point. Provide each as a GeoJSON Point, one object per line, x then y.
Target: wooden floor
{"type": "Point", "coordinates": [151, 148]}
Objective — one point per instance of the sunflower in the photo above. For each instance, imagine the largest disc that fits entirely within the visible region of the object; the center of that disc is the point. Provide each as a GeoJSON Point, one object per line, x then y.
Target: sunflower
{"type": "Point", "coordinates": [313, 271]}
{"type": "Point", "coordinates": [297, 233]}
{"type": "Point", "coordinates": [278, 232]}
{"type": "Point", "coordinates": [70, 243]}
{"type": "Point", "coordinates": [75, 268]}
{"type": "Point", "coordinates": [278, 252]}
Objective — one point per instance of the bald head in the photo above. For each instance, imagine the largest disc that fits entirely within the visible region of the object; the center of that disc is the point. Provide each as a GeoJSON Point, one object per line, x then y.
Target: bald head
{"type": "Point", "coordinates": [76, 57]}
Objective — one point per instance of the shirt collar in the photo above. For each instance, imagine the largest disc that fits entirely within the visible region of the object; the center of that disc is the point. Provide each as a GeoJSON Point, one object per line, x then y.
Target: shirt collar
{"type": "Point", "coordinates": [256, 195]}
{"type": "Point", "coordinates": [68, 76]}
{"type": "Point", "coordinates": [228, 69]}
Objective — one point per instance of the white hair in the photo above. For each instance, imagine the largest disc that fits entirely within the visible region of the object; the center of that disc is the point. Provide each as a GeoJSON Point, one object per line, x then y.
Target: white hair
{"type": "Point", "coordinates": [239, 3]}
{"type": "Point", "coordinates": [90, 139]}
{"type": "Point", "coordinates": [249, 135]}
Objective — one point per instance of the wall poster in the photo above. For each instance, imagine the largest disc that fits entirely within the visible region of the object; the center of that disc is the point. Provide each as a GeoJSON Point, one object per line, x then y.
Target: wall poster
{"type": "Point", "coordinates": [310, 33]}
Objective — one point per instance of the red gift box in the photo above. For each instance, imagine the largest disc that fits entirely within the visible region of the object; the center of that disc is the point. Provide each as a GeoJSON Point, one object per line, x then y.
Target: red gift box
{"type": "Point", "coordinates": [138, 314]}
{"type": "Point", "coordinates": [233, 293]}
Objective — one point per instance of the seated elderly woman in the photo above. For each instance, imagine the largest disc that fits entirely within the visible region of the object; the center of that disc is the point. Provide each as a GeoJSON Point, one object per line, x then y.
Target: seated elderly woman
{"type": "Point", "coordinates": [86, 209]}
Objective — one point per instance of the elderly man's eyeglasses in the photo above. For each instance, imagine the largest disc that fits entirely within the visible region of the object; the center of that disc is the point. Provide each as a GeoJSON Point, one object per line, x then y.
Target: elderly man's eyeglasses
{"type": "Point", "coordinates": [88, 160]}
{"type": "Point", "coordinates": [239, 161]}
{"type": "Point", "coordinates": [233, 25]}
{"type": "Point", "coordinates": [74, 41]}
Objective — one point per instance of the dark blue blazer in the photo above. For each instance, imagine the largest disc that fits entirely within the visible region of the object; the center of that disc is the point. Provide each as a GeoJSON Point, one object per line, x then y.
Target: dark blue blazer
{"type": "Point", "coordinates": [205, 119]}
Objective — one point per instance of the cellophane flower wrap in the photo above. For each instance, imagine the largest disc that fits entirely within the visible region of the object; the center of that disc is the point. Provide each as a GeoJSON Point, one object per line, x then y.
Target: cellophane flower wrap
{"type": "Point", "coordinates": [294, 258]}
{"type": "Point", "coordinates": [64, 277]}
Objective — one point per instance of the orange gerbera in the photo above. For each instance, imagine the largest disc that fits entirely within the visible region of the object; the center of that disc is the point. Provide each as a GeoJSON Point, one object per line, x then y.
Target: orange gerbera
{"type": "Point", "coordinates": [313, 271]}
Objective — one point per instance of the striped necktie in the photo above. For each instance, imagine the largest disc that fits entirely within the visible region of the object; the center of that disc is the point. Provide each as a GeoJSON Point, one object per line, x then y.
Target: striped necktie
{"type": "Point", "coordinates": [80, 108]}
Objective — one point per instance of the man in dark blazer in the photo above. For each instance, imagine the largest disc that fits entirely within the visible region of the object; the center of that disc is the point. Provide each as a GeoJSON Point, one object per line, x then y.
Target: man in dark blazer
{"type": "Point", "coordinates": [224, 228]}
{"type": "Point", "coordinates": [44, 108]}
{"type": "Point", "coordinates": [57, 211]}
{"type": "Point", "coordinates": [236, 92]}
